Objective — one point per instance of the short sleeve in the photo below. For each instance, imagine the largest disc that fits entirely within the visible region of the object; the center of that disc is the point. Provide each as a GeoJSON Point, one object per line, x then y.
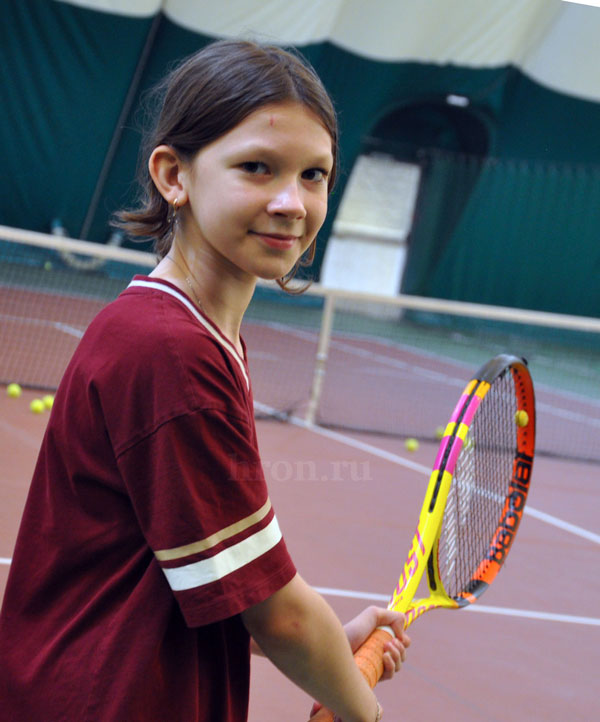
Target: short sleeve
{"type": "Point", "coordinates": [199, 494]}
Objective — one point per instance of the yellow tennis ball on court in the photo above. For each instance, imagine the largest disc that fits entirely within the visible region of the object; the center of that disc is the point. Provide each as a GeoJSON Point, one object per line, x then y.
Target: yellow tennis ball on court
{"type": "Point", "coordinates": [439, 433]}
{"type": "Point", "coordinates": [411, 444]}
{"type": "Point", "coordinates": [521, 418]}
{"type": "Point", "coordinates": [13, 391]}
{"type": "Point", "coordinates": [48, 401]}
{"type": "Point", "coordinates": [37, 406]}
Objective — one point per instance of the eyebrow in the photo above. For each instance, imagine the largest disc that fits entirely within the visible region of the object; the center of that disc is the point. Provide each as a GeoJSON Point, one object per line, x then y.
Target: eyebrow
{"type": "Point", "coordinates": [325, 159]}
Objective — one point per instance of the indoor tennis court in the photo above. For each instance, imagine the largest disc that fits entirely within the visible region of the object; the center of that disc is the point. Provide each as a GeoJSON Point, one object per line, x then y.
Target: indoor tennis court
{"type": "Point", "coordinates": [348, 487]}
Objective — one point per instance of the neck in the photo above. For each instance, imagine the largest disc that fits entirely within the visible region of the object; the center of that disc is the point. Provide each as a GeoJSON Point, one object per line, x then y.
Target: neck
{"type": "Point", "coordinates": [221, 296]}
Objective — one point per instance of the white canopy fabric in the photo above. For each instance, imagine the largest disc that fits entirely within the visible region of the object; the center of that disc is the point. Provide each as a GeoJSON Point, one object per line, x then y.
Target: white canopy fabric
{"type": "Point", "coordinates": [498, 101]}
{"type": "Point", "coordinates": [552, 41]}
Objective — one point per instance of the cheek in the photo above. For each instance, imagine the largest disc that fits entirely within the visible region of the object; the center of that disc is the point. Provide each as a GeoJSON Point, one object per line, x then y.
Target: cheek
{"type": "Point", "coordinates": [318, 215]}
{"type": "Point", "coordinates": [240, 202]}
{"type": "Point", "coordinates": [223, 211]}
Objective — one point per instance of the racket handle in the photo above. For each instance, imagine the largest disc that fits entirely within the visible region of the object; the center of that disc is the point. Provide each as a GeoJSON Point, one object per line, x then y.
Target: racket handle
{"type": "Point", "coordinates": [369, 659]}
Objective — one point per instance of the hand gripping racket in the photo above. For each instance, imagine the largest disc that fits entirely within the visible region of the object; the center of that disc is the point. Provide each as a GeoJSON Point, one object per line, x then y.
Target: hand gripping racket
{"type": "Point", "coordinates": [473, 505]}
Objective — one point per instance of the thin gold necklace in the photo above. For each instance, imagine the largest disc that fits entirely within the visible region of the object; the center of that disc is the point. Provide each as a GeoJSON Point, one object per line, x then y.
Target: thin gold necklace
{"type": "Point", "coordinates": [188, 279]}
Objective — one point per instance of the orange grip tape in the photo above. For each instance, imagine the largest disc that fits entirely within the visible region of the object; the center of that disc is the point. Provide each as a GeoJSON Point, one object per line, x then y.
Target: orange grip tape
{"type": "Point", "coordinates": [369, 659]}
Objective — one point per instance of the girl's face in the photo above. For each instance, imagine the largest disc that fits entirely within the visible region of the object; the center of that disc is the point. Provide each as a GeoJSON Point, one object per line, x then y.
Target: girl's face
{"type": "Point", "coordinates": [257, 196]}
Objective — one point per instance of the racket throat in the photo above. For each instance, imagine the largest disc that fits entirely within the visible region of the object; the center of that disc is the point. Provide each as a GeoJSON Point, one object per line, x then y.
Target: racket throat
{"type": "Point", "coordinates": [420, 606]}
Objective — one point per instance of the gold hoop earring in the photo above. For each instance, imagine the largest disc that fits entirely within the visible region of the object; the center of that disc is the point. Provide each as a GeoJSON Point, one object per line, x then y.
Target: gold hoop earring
{"type": "Point", "coordinates": [172, 212]}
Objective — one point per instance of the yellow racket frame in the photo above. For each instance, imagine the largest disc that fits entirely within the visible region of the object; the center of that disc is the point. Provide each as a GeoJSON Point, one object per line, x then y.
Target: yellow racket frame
{"type": "Point", "coordinates": [423, 552]}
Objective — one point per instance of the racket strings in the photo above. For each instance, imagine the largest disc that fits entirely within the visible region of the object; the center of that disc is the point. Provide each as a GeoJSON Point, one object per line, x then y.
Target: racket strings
{"type": "Point", "coordinates": [478, 491]}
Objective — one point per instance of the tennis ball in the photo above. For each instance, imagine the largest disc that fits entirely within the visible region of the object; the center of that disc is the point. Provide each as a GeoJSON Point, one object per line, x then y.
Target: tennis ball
{"type": "Point", "coordinates": [439, 433]}
{"type": "Point", "coordinates": [411, 444]}
{"type": "Point", "coordinates": [37, 406]}
{"type": "Point", "coordinates": [48, 401]}
{"type": "Point", "coordinates": [48, 266]}
{"type": "Point", "coordinates": [521, 418]}
{"type": "Point", "coordinates": [14, 391]}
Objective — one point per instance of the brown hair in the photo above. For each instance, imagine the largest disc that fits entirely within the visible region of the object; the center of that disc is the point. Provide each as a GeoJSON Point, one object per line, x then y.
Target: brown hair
{"type": "Point", "coordinates": [206, 96]}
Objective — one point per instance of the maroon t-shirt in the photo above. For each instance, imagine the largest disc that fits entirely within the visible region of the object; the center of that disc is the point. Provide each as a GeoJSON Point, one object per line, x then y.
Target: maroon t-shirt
{"type": "Point", "coordinates": [141, 541]}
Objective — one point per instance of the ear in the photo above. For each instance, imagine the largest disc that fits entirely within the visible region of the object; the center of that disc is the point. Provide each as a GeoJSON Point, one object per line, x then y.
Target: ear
{"type": "Point", "coordinates": [167, 171]}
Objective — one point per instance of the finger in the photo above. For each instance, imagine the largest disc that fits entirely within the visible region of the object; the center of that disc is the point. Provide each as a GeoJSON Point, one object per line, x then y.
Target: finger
{"type": "Point", "coordinates": [394, 657]}
{"type": "Point", "coordinates": [389, 668]}
{"type": "Point", "coordinates": [398, 625]}
{"type": "Point", "coordinates": [390, 618]}
{"type": "Point", "coordinates": [315, 708]}
{"type": "Point", "coordinates": [399, 648]}
{"type": "Point", "coordinates": [403, 638]}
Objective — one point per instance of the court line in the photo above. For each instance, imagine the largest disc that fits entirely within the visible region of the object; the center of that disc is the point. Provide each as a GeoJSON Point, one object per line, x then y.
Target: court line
{"type": "Point", "coordinates": [564, 525]}
{"type": "Point", "coordinates": [47, 323]}
{"type": "Point", "coordinates": [441, 377]}
{"type": "Point", "coordinates": [368, 354]}
{"type": "Point", "coordinates": [567, 415]}
{"type": "Point", "coordinates": [414, 466]}
{"type": "Point", "coordinates": [355, 443]}
{"type": "Point", "coordinates": [481, 608]}
{"type": "Point", "coordinates": [69, 330]}
{"type": "Point", "coordinates": [401, 461]}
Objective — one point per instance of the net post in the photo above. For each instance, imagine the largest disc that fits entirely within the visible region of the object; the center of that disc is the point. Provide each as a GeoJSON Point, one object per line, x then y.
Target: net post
{"type": "Point", "coordinates": [321, 358]}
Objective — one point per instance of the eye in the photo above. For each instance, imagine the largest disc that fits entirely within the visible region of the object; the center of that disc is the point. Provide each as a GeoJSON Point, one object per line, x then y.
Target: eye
{"type": "Point", "coordinates": [254, 167]}
{"type": "Point", "coordinates": [315, 175]}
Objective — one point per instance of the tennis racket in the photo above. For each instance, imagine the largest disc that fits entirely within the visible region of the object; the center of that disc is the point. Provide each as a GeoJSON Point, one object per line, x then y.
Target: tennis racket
{"type": "Point", "coordinates": [473, 505]}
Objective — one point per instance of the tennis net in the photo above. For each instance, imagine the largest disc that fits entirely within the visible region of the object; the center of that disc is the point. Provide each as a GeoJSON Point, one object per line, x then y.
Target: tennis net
{"type": "Point", "coordinates": [357, 362]}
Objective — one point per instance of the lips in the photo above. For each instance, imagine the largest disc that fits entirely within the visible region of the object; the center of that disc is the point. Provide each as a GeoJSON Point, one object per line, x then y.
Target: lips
{"type": "Point", "coordinates": [280, 241]}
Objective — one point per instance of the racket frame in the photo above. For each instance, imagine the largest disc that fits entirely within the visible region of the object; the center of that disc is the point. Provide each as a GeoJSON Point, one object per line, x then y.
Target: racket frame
{"type": "Point", "coordinates": [423, 553]}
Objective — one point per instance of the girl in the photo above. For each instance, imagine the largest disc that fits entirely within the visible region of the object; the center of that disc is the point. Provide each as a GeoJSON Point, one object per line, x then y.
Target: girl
{"type": "Point", "coordinates": [143, 566]}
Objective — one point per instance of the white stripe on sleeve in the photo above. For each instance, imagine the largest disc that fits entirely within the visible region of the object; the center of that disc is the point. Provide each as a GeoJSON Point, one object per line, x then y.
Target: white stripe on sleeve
{"type": "Point", "coordinates": [225, 562]}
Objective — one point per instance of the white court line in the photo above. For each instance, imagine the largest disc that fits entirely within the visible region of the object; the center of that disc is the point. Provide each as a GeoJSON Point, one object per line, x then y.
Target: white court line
{"type": "Point", "coordinates": [401, 461]}
{"type": "Point", "coordinates": [567, 415]}
{"type": "Point", "coordinates": [362, 446]}
{"type": "Point", "coordinates": [481, 608]}
{"type": "Point", "coordinates": [69, 330]}
{"type": "Point", "coordinates": [48, 323]}
{"type": "Point", "coordinates": [436, 376]}
{"type": "Point", "coordinates": [564, 525]}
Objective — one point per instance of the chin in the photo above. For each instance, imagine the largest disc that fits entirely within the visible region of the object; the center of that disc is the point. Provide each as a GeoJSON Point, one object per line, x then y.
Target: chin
{"type": "Point", "coordinates": [272, 274]}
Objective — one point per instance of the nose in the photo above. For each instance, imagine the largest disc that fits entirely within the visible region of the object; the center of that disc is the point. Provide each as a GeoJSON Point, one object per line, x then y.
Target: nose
{"type": "Point", "coordinates": [287, 201]}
